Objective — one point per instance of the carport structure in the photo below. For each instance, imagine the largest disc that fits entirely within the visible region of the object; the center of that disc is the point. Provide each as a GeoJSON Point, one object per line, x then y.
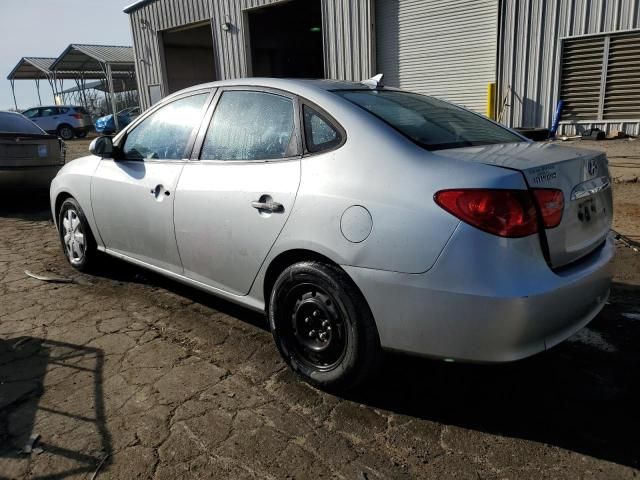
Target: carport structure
{"type": "Point", "coordinates": [106, 62]}
{"type": "Point", "coordinates": [32, 68]}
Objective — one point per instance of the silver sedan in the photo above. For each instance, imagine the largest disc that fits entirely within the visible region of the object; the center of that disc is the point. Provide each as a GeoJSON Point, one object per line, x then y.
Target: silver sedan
{"type": "Point", "coordinates": [358, 217]}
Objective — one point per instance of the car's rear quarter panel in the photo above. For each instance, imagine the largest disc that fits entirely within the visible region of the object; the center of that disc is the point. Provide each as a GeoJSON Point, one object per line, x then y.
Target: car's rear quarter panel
{"type": "Point", "coordinates": [395, 181]}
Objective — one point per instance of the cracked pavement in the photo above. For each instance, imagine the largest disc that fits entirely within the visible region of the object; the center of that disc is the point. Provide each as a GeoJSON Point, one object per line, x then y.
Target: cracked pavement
{"type": "Point", "coordinates": [130, 375]}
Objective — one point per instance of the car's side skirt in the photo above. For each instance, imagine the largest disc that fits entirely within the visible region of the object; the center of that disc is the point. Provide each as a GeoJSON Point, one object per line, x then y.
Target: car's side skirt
{"type": "Point", "coordinates": [245, 301]}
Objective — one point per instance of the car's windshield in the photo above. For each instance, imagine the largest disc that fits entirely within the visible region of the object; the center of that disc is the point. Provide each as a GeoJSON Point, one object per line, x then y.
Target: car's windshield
{"type": "Point", "coordinates": [431, 123]}
{"type": "Point", "coordinates": [16, 123]}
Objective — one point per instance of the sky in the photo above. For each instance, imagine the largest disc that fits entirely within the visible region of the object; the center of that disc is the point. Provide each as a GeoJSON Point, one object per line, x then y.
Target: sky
{"type": "Point", "coordinates": [44, 28]}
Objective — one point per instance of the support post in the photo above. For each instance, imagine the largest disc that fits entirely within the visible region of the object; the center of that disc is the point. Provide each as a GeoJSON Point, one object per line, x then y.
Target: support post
{"type": "Point", "coordinates": [112, 95]}
{"type": "Point", "coordinates": [38, 89]}
{"type": "Point", "coordinates": [13, 92]}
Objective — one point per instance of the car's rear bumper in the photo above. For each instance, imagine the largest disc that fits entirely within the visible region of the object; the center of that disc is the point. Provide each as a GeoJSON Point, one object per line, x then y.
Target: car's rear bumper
{"type": "Point", "coordinates": [83, 128]}
{"type": "Point", "coordinates": [496, 305]}
{"type": "Point", "coordinates": [35, 177]}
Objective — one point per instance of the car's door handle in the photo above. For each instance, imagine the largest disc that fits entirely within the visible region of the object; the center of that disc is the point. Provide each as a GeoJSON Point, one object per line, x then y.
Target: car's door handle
{"type": "Point", "coordinates": [273, 207]}
{"type": "Point", "coordinates": [158, 190]}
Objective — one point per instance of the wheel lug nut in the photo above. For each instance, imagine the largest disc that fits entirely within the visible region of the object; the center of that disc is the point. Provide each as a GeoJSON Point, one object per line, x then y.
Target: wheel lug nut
{"type": "Point", "coordinates": [316, 313]}
{"type": "Point", "coordinates": [323, 336]}
{"type": "Point", "coordinates": [307, 319]}
{"type": "Point", "coordinates": [312, 333]}
{"type": "Point", "coordinates": [325, 323]}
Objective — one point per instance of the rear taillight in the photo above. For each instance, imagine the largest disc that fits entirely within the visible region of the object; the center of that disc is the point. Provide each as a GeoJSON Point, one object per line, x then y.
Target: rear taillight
{"type": "Point", "coordinates": [79, 116]}
{"type": "Point", "coordinates": [507, 213]}
{"type": "Point", "coordinates": [551, 205]}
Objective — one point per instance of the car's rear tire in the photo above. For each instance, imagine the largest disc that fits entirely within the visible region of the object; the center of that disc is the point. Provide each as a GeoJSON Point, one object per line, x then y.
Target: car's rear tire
{"type": "Point", "coordinates": [78, 243]}
{"type": "Point", "coordinates": [65, 131]}
{"type": "Point", "coordinates": [323, 326]}
{"type": "Point", "coordinates": [81, 134]}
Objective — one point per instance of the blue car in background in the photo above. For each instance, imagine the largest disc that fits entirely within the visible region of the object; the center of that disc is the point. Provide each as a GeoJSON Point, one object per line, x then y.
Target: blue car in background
{"type": "Point", "coordinates": [106, 125]}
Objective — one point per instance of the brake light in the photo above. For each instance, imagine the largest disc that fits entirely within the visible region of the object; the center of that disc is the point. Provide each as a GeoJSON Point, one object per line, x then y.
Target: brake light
{"type": "Point", "coordinates": [506, 213]}
{"type": "Point", "coordinates": [79, 116]}
{"type": "Point", "coordinates": [551, 205]}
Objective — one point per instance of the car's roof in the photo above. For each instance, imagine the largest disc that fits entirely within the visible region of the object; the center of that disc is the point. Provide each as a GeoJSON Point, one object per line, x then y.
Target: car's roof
{"type": "Point", "coordinates": [296, 86]}
{"type": "Point", "coordinates": [287, 83]}
{"type": "Point", "coordinates": [51, 106]}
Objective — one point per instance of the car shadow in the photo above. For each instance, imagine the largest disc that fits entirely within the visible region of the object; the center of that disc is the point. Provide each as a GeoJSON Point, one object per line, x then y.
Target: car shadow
{"type": "Point", "coordinates": [32, 205]}
{"type": "Point", "coordinates": [31, 419]}
{"type": "Point", "coordinates": [582, 395]}
{"type": "Point", "coordinates": [114, 269]}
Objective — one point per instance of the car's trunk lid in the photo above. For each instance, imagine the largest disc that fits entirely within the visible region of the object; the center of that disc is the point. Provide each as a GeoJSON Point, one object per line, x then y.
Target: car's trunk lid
{"type": "Point", "coordinates": [29, 150]}
{"type": "Point", "coordinates": [583, 177]}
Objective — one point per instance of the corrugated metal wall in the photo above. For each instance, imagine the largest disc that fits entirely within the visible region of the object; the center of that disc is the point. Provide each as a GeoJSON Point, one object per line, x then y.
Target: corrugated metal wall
{"type": "Point", "coordinates": [529, 53]}
{"type": "Point", "coordinates": [347, 30]}
{"type": "Point", "coordinates": [445, 48]}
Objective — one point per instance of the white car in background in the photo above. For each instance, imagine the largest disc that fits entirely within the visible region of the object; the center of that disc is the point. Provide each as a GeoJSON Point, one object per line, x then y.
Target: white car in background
{"type": "Point", "coordinates": [65, 121]}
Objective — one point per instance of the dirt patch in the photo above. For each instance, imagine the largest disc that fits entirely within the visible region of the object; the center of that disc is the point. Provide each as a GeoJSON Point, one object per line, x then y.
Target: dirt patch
{"type": "Point", "coordinates": [140, 377]}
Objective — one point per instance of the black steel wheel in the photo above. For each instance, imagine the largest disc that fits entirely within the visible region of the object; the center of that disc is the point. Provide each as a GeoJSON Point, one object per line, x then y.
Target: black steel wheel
{"type": "Point", "coordinates": [322, 326]}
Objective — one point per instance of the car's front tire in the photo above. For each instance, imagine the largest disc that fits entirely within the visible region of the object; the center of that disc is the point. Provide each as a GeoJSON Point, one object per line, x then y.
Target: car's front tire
{"type": "Point", "coordinates": [323, 326]}
{"type": "Point", "coordinates": [76, 238]}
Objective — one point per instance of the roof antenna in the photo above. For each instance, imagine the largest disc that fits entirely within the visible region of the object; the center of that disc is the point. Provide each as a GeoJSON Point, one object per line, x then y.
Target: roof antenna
{"type": "Point", "coordinates": [374, 82]}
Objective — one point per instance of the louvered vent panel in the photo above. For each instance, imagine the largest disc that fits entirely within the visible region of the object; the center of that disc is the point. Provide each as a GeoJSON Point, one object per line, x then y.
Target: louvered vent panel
{"type": "Point", "coordinates": [581, 76]}
{"type": "Point", "coordinates": [622, 93]}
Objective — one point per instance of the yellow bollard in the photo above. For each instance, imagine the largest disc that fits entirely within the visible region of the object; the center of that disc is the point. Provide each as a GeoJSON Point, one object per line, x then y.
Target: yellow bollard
{"type": "Point", "coordinates": [491, 100]}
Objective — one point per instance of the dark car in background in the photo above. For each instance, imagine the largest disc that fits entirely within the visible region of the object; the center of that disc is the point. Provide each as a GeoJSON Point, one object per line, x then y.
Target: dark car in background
{"type": "Point", "coordinates": [106, 126]}
{"type": "Point", "coordinates": [29, 157]}
{"type": "Point", "coordinates": [65, 121]}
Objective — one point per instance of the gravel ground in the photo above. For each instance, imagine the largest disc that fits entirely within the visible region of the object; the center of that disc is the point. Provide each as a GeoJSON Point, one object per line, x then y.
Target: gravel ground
{"type": "Point", "coordinates": [131, 375]}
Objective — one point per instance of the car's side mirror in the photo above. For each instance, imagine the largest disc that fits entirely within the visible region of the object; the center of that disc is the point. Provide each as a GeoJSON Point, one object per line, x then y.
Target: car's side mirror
{"type": "Point", "coordinates": [102, 147]}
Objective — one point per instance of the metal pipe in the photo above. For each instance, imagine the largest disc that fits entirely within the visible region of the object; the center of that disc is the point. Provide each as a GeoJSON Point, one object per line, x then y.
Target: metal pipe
{"type": "Point", "coordinates": [112, 95]}
{"type": "Point", "coordinates": [13, 91]}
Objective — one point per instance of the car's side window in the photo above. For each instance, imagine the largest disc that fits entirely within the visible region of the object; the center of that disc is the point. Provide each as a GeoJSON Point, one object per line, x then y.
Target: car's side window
{"type": "Point", "coordinates": [48, 112]}
{"type": "Point", "coordinates": [31, 113]}
{"type": "Point", "coordinates": [319, 133]}
{"type": "Point", "coordinates": [249, 125]}
{"type": "Point", "coordinates": [165, 133]}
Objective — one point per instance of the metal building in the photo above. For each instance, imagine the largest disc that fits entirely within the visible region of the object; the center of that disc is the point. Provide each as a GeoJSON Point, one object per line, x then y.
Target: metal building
{"type": "Point", "coordinates": [585, 52]}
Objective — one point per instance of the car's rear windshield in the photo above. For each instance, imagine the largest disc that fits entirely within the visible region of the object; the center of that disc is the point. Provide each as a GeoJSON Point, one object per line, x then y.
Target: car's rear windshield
{"type": "Point", "coordinates": [16, 123]}
{"type": "Point", "coordinates": [81, 110]}
{"type": "Point", "coordinates": [431, 123]}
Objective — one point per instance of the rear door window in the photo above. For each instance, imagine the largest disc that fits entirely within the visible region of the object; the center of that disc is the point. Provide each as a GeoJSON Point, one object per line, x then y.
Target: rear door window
{"type": "Point", "coordinates": [249, 125]}
{"type": "Point", "coordinates": [164, 135]}
{"type": "Point", "coordinates": [319, 133]}
{"type": "Point", "coordinates": [48, 111]}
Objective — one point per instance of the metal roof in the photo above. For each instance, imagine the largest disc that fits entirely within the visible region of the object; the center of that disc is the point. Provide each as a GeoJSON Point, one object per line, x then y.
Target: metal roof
{"type": "Point", "coordinates": [31, 68]}
{"type": "Point", "coordinates": [136, 5]}
{"type": "Point", "coordinates": [80, 57]}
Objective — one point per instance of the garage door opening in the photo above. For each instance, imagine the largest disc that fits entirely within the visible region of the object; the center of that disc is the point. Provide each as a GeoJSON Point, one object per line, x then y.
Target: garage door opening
{"type": "Point", "coordinates": [286, 40]}
{"type": "Point", "coordinates": [188, 57]}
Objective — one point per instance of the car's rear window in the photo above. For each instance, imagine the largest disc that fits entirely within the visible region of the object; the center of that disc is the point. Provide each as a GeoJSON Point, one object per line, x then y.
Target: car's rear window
{"type": "Point", "coordinates": [16, 123]}
{"type": "Point", "coordinates": [429, 122]}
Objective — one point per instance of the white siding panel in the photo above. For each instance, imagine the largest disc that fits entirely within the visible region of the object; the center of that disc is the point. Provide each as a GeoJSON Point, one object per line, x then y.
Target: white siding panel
{"type": "Point", "coordinates": [444, 48]}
